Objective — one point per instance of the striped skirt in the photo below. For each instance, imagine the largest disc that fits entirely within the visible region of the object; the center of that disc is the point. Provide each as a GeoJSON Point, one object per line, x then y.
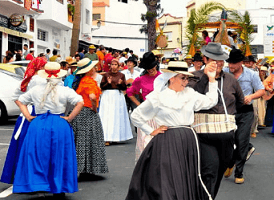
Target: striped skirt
{"type": "Point", "coordinates": [143, 139]}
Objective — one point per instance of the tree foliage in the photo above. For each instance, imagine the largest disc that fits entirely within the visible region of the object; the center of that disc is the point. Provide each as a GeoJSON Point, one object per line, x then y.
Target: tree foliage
{"type": "Point", "coordinates": [199, 16]}
{"type": "Point", "coordinates": [244, 21]}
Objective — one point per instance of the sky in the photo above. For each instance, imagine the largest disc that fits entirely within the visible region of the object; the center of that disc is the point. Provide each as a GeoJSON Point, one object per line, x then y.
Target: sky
{"type": "Point", "coordinates": [176, 8]}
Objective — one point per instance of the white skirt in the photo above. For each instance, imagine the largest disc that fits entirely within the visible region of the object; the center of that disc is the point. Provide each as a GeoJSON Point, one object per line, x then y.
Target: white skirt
{"type": "Point", "coordinates": [114, 116]}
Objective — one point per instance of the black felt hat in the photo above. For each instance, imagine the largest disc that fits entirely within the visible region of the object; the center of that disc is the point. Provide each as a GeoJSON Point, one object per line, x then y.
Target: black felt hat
{"type": "Point", "coordinates": [235, 56]}
{"type": "Point", "coordinates": [197, 57]}
{"type": "Point", "coordinates": [132, 59]}
{"type": "Point", "coordinates": [148, 61]}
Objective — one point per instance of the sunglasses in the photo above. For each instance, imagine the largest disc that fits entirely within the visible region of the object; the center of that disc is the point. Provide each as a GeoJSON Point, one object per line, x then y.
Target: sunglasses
{"type": "Point", "coordinates": [185, 78]}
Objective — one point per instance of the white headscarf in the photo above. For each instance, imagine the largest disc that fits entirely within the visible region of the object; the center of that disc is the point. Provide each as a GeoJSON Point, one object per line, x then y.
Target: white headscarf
{"type": "Point", "coordinates": [51, 88]}
{"type": "Point", "coordinates": [161, 82]}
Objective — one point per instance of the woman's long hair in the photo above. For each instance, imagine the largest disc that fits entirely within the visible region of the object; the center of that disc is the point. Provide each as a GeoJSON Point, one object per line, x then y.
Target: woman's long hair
{"type": "Point", "coordinates": [146, 72]}
{"type": "Point", "coordinates": [76, 81]}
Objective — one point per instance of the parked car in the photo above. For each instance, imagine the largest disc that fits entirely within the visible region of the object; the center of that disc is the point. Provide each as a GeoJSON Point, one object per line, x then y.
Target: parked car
{"type": "Point", "coordinates": [9, 81]}
{"type": "Point", "coordinates": [17, 69]}
{"type": "Point", "coordinates": [23, 63]}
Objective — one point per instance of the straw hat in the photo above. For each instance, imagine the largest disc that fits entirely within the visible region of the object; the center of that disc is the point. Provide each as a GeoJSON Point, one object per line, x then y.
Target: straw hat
{"type": "Point", "coordinates": [52, 70]}
{"type": "Point", "coordinates": [264, 68]}
{"type": "Point", "coordinates": [74, 64]}
{"type": "Point", "coordinates": [84, 65]}
{"type": "Point", "coordinates": [157, 53]}
{"type": "Point", "coordinates": [70, 60]}
{"type": "Point", "coordinates": [179, 67]}
{"type": "Point", "coordinates": [188, 56]}
{"type": "Point", "coordinates": [92, 47]}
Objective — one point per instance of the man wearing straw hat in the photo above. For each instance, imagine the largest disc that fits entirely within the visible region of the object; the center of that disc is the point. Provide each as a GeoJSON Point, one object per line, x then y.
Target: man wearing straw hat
{"type": "Point", "coordinates": [91, 53]}
{"type": "Point", "coordinates": [216, 126]}
{"type": "Point", "coordinates": [249, 82]}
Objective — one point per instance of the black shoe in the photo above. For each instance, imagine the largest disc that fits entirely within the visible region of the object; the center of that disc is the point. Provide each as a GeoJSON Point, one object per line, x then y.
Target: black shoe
{"type": "Point", "coordinates": [59, 196]}
{"type": "Point", "coordinates": [250, 152]}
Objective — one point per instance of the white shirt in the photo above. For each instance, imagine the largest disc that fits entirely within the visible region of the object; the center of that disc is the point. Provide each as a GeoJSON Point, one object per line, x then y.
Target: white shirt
{"type": "Point", "coordinates": [129, 75]}
{"type": "Point", "coordinates": [98, 79]}
{"type": "Point", "coordinates": [35, 80]}
{"type": "Point", "coordinates": [172, 108]}
{"type": "Point", "coordinates": [192, 69]}
{"type": "Point", "coordinates": [65, 95]}
{"type": "Point", "coordinates": [122, 60]}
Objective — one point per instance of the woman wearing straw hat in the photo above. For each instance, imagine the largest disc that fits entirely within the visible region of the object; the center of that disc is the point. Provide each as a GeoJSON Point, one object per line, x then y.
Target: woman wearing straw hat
{"type": "Point", "coordinates": [169, 167]}
{"type": "Point", "coordinates": [47, 161]}
{"type": "Point", "coordinates": [113, 109]}
{"type": "Point", "coordinates": [144, 83]}
{"type": "Point", "coordinates": [89, 138]}
{"type": "Point", "coordinates": [30, 80]}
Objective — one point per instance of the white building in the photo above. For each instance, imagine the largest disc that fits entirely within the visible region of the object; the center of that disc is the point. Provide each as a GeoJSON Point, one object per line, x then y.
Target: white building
{"type": "Point", "coordinates": [11, 37]}
{"type": "Point", "coordinates": [46, 26]}
{"type": "Point", "coordinates": [54, 28]}
{"type": "Point", "coordinates": [121, 22]}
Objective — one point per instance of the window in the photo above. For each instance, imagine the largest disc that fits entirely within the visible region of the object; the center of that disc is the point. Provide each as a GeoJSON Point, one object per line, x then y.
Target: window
{"type": "Point", "coordinates": [31, 24]}
{"type": "Point", "coordinates": [255, 28]}
{"type": "Point", "coordinates": [87, 16]}
{"type": "Point", "coordinates": [42, 35]}
{"type": "Point", "coordinates": [60, 1]}
{"type": "Point", "coordinates": [96, 16]}
{"type": "Point", "coordinates": [169, 36]}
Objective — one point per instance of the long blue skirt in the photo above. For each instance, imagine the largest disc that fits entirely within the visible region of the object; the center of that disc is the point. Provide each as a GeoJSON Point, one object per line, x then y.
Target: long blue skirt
{"type": "Point", "coordinates": [47, 161]}
{"type": "Point", "coordinates": [14, 150]}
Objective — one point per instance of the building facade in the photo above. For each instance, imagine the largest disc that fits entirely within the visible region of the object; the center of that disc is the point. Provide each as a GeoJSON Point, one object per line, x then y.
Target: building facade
{"type": "Point", "coordinates": [47, 25]}
{"type": "Point", "coordinates": [14, 35]}
{"type": "Point", "coordinates": [121, 23]}
{"type": "Point", "coordinates": [173, 29]}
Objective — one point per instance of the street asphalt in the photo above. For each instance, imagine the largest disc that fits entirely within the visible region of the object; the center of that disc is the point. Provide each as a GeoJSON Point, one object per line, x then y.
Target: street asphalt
{"type": "Point", "coordinates": [258, 173]}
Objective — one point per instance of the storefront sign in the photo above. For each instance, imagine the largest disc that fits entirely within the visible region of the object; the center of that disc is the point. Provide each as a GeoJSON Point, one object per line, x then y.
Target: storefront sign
{"type": "Point", "coordinates": [269, 39]}
{"type": "Point", "coordinates": [86, 37]}
{"type": "Point", "coordinates": [16, 20]}
{"type": "Point", "coordinates": [4, 21]}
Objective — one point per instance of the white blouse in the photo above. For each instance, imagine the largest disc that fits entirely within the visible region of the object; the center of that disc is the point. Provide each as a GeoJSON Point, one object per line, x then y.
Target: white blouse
{"type": "Point", "coordinates": [98, 79]}
{"type": "Point", "coordinates": [35, 80]}
{"type": "Point", "coordinates": [65, 95]}
{"type": "Point", "coordinates": [173, 109]}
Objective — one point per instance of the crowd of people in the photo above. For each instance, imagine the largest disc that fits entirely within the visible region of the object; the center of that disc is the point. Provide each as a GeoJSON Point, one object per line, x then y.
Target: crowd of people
{"type": "Point", "coordinates": [193, 119]}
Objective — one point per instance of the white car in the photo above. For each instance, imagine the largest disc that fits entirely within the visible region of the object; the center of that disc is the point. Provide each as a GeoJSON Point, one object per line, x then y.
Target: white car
{"type": "Point", "coordinates": [8, 83]}
{"type": "Point", "coordinates": [23, 63]}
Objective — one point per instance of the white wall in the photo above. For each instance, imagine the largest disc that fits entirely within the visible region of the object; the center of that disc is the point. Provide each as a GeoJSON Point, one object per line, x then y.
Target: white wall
{"type": "Point", "coordinates": [121, 36]}
{"type": "Point", "coordinates": [54, 35]}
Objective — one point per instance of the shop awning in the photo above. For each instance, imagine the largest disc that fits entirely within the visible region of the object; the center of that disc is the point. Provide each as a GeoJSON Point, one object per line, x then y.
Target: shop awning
{"type": "Point", "coordinates": [8, 8]}
{"type": "Point", "coordinates": [15, 33]}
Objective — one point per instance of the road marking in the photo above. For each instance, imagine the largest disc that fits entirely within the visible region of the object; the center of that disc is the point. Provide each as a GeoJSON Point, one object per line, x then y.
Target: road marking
{"type": "Point", "coordinates": [6, 192]}
{"type": "Point", "coordinates": [5, 144]}
{"type": "Point", "coordinates": [6, 129]}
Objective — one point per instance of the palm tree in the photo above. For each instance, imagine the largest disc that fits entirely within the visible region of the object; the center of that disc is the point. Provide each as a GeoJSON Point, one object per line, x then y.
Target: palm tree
{"type": "Point", "coordinates": [75, 28]}
{"type": "Point", "coordinates": [199, 17]}
{"type": "Point", "coordinates": [246, 29]}
{"type": "Point", "coordinates": [152, 7]}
